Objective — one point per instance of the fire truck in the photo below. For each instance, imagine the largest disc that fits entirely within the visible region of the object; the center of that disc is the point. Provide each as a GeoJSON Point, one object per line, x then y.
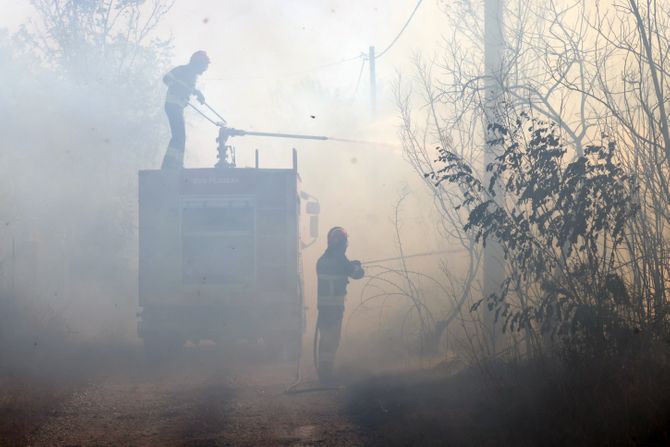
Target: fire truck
{"type": "Point", "coordinates": [220, 253]}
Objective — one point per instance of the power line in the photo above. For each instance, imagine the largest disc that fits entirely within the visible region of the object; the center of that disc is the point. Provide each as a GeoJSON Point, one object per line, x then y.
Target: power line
{"type": "Point", "coordinates": [401, 31]}
{"type": "Point", "coordinates": [360, 75]}
{"type": "Point", "coordinates": [330, 64]}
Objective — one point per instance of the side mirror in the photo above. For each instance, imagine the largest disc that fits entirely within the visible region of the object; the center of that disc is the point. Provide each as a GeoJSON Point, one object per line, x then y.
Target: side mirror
{"type": "Point", "coordinates": [314, 226]}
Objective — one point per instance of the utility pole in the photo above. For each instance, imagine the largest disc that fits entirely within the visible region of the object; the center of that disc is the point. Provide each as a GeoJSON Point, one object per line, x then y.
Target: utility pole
{"type": "Point", "coordinates": [373, 80]}
{"type": "Point", "coordinates": [494, 47]}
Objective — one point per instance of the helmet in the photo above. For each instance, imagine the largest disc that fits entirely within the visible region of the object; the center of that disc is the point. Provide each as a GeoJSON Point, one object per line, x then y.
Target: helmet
{"type": "Point", "coordinates": [337, 236]}
{"type": "Point", "coordinates": [199, 57]}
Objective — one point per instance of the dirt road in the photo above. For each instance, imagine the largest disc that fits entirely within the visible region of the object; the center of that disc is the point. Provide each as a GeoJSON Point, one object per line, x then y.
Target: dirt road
{"type": "Point", "coordinates": [198, 405]}
{"type": "Point", "coordinates": [197, 402]}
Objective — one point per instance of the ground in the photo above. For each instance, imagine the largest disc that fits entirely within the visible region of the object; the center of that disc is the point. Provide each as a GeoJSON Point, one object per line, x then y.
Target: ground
{"type": "Point", "coordinates": [203, 399]}
{"type": "Point", "coordinates": [186, 402]}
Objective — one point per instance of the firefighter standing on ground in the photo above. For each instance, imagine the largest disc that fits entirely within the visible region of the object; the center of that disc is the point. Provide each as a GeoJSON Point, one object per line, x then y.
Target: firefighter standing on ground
{"type": "Point", "coordinates": [333, 272]}
{"type": "Point", "coordinates": [181, 86]}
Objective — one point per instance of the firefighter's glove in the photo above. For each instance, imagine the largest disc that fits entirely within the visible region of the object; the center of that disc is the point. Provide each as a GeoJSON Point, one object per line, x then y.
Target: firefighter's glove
{"type": "Point", "coordinates": [358, 271]}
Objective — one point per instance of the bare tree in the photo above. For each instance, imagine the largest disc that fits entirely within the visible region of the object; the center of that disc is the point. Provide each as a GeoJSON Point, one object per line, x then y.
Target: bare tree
{"type": "Point", "coordinates": [594, 71]}
{"type": "Point", "coordinates": [612, 64]}
{"type": "Point", "coordinates": [84, 93]}
{"type": "Point", "coordinates": [80, 36]}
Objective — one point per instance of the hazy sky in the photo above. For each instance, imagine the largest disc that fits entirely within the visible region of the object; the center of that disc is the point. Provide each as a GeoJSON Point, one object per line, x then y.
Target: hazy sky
{"type": "Point", "coordinates": [266, 56]}
{"type": "Point", "coordinates": [261, 46]}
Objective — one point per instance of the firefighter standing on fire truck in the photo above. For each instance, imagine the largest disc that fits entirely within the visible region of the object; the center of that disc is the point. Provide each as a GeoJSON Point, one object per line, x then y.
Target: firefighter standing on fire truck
{"type": "Point", "coordinates": [181, 86]}
{"type": "Point", "coordinates": [333, 272]}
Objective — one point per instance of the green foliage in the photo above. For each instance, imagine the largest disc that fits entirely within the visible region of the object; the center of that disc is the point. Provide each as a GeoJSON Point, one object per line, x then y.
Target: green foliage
{"type": "Point", "coordinates": [561, 224]}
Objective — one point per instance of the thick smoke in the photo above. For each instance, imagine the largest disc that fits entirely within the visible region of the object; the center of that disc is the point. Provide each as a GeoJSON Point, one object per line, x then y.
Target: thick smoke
{"type": "Point", "coordinates": [74, 137]}
{"type": "Point", "coordinates": [77, 131]}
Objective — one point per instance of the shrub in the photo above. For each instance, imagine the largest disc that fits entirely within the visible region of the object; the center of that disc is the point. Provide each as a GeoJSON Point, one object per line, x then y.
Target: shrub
{"type": "Point", "coordinates": [560, 221]}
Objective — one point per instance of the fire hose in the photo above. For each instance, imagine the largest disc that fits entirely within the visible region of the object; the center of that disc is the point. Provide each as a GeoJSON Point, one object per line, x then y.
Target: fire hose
{"type": "Point", "coordinates": [293, 388]}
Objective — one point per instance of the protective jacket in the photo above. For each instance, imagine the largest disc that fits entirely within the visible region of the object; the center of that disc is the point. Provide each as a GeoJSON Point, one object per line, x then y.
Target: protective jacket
{"type": "Point", "coordinates": [333, 271]}
{"type": "Point", "coordinates": [181, 84]}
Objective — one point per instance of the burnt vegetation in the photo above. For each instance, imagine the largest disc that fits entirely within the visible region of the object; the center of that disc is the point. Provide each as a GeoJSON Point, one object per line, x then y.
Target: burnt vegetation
{"type": "Point", "coordinates": [562, 225]}
{"type": "Point", "coordinates": [585, 347]}
{"type": "Point", "coordinates": [571, 196]}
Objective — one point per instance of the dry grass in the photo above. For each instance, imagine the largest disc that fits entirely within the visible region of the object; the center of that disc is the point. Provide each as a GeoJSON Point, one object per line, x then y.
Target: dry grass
{"type": "Point", "coordinates": [615, 402]}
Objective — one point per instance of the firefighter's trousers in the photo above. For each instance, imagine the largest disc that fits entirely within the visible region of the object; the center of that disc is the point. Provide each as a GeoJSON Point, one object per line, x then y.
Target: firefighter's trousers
{"type": "Point", "coordinates": [174, 157]}
{"type": "Point", "coordinates": [330, 328]}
